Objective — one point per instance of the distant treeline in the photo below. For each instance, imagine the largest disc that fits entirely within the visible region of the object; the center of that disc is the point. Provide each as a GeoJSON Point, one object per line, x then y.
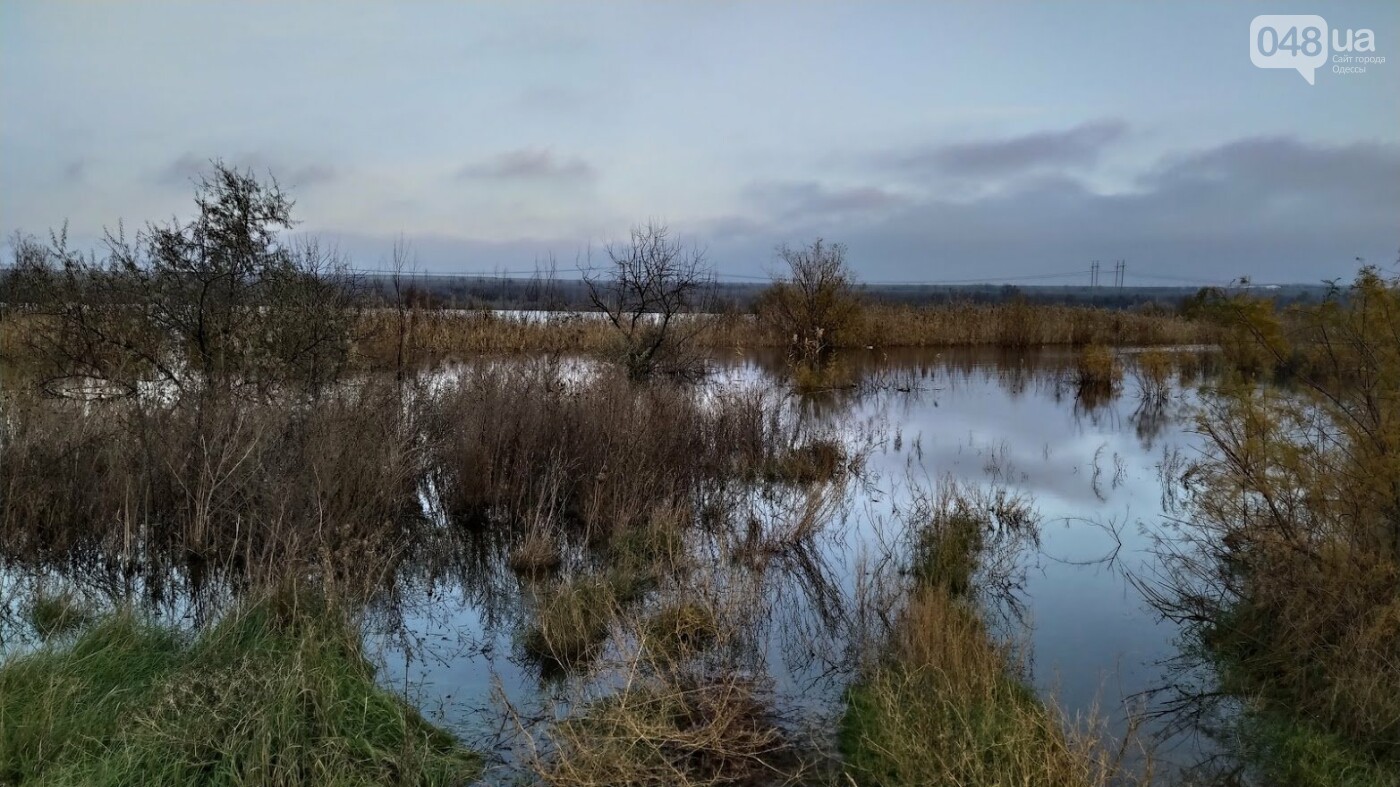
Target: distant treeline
{"type": "Point", "coordinates": [466, 292]}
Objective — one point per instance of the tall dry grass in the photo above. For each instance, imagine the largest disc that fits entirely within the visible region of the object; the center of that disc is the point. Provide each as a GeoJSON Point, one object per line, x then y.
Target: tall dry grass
{"type": "Point", "coordinates": [942, 699]}
{"type": "Point", "coordinates": [458, 334]}
{"type": "Point", "coordinates": [599, 452]}
{"type": "Point", "coordinates": [262, 486]}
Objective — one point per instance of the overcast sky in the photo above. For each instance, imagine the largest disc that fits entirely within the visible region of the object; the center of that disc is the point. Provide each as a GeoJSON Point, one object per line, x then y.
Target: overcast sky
{"type": "Point", "coordinates": [938, 142]}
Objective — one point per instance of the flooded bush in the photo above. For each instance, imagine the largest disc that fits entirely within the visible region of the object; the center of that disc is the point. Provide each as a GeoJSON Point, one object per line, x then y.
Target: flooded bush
{"type": "Point", "coordinates": [277, 693]}
{"type": "Point", "coordinates": [1153, 369]}
{"type": "Point", "coordinates": [270, 488]}
{"type": "Point", "coordinates": [816, 308]}
{"type": "Point", "coordinates": [597, 451]}
{"type": "Point", "coordinates": [1292, 581]}
{"type": "Point", "coordinates": [1097, 369]}
{"type": "Point", "coordinates": [653, 294]}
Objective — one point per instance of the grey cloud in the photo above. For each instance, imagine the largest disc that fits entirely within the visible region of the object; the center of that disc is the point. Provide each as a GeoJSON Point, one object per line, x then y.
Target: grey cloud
{"type": "Point", "coordinates": [528, 164]}
{"type": "Point", "coordinates": [189, 166]}
{"type": "Point", "coordinates": [1076, 146]}
{"type": "Point", "coordinates": [1281, 168]}
{"type": "Point", "coordinates": [1277, 209]}
{"type": "Point", "coordinates": [75, 171]}
{"type": "Point", "coordinates": [550, 98]}
{"type": "Point", "coordinates": [809, 198]}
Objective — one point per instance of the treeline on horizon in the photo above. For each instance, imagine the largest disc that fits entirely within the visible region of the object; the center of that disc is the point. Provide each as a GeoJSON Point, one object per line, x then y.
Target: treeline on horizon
{"type": "Point", "coordinates": [492, 292]}
{"type": "Point", "coordinates": [546, 291]}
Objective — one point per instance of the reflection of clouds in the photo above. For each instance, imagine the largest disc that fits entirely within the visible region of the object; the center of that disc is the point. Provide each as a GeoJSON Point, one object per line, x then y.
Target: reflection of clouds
{"type": "Point", "coordinates": [805, 577]}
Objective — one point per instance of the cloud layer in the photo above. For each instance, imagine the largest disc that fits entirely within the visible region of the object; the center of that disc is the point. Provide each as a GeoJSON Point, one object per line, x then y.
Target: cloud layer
{"type": "Point", "coordinates": [939, 141]}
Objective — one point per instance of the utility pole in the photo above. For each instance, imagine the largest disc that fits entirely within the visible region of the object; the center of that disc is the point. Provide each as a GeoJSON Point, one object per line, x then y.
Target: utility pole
{"type": "Point", "coordinates": [1094, 274]}
{"type": "Point", "coordinates": [1120, 273]}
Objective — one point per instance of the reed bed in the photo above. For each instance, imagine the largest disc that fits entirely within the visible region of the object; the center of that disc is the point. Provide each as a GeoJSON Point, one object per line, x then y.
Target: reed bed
{"type": "Point", "coordinates": [457, 334]}
{"type": "Point", "coordinates": [267, 487]}
{"type": "Point", "coordinates": [597, 452]}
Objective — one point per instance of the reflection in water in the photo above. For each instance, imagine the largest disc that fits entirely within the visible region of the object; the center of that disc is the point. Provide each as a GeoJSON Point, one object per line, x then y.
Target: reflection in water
{"type": "Point", "coordinates": [796, 572]}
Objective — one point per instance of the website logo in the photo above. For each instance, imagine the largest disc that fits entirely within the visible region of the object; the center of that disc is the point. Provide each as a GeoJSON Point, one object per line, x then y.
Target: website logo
{"type": "Point", "coordinates": [1304, 43]}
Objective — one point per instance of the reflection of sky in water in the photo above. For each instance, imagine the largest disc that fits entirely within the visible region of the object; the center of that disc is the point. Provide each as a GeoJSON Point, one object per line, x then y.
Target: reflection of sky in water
{"type": "Point", "coordinates": [971, 416]}
{"type": "Point", "coordinates": [447, 636]}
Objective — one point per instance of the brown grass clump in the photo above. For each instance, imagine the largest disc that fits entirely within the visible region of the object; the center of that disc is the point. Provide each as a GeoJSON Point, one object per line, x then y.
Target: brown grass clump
{"type": "Point", "coordinates": [599, 452]}
{"type": "Point", "coordinates": [1153, 370]}
{"type": "Point", "coordinates": [1097, 367]}
{"type": "Point", "coordinates": [672, 729]}
{"type": "Point", "coordinates": [680, 629]}
{"type": "Point", "coordinates": [944, 707]}
{"type": "Point", "coordinates": [537, 555]}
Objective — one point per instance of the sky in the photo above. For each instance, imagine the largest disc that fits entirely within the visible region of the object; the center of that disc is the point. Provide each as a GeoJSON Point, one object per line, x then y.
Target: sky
{"type": "Point", "coordinates": [939, 142]}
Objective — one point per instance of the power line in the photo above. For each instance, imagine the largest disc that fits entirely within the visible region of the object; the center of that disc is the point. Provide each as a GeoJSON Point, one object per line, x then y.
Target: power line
{"type": "Point", "coordinates": [511, 274]}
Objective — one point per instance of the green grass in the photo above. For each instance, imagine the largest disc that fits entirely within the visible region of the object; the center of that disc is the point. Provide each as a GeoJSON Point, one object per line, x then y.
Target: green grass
{"type": "Point", "coordinates": [1288, 750]}
{"type": "Point", "coordinates": [53, 615]}
{"type": "Point", "coordinates": [943, 701]}
{"type": "Point", "coordinates": [273, 695]}
{"type": "Point", "coordinates": [945, 706]}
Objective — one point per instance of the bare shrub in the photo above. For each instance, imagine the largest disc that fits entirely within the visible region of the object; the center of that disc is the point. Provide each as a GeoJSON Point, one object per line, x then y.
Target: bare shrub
{"type": "Point", "coordinates": [652, 292]}
{"type": "Point", "coordinates": [218, 303]}
{"type": "Point", "coordinates": [816, 307]}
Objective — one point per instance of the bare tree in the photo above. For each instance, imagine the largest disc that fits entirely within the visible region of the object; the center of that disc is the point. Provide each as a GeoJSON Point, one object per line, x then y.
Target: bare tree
{"type": "Point", "coordinates": [402, 260]}
{"type": "Point", "coordinates": [652, 291]}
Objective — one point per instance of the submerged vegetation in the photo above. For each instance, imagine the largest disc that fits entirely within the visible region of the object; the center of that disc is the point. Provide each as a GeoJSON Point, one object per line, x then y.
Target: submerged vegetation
{"type": "Point", "coordinates": [213, 413]}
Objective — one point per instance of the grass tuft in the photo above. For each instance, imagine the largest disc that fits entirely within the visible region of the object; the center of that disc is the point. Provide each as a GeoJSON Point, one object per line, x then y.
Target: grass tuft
{"type": "Point", "coordinates": [54, 615]}
{"type": "Point", "coordinates": [672, 729]}
{"type": "Point", "coordinates": [276, 694]}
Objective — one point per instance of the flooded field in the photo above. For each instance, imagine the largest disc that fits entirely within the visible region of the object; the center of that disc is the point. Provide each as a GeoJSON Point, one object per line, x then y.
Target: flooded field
{"type": "Point", "coordinates": [800, 577]}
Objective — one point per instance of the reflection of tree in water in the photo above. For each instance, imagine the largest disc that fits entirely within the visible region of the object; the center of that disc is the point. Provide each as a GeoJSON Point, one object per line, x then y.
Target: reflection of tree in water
{"type": "Point", "coordinates": [1149, 420]}
{"type": "Point", "coordinates": [775, 561]}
